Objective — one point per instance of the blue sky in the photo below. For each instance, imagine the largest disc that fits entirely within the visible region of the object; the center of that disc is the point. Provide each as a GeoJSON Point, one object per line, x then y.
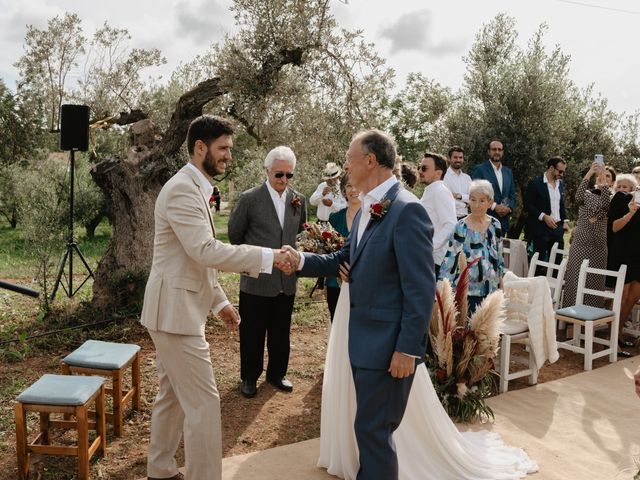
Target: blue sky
{"type": "Point", "coordinates": [601, 36]}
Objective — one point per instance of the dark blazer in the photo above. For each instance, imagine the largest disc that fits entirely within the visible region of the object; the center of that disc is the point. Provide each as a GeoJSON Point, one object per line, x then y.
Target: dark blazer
{"type": "Point", "coordinates": [506, 195]}
{"type": "Point", "coordinates": [391, 288]}
{"type": "Point", "coordinates": [537, 201]}
{"type": "Point", "coordinates": [254, 221]}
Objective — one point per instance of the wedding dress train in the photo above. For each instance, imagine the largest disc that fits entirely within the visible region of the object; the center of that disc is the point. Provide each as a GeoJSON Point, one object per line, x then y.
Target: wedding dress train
{"type": "Point", "coordinates": [428, 444]}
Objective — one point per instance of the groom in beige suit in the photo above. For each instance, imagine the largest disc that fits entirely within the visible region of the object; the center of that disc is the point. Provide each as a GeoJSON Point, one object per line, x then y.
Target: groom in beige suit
{"type": "Point", "coordinates": [182, 288]}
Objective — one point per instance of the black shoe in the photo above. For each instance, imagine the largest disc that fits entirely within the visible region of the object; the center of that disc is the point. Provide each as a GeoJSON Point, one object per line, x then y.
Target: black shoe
{"type": "Point", "coordinates": [622, 353]}
{"type": "Point", "coordinates": [625, 344]}
{"type": "Point", "coordinates": [248, 388]}
{"type": "Point", "coordinates": [282, 384]}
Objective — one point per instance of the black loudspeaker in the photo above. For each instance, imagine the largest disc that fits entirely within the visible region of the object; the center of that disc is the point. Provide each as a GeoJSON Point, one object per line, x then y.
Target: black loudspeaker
{"type": "Point", "coordinates": [74, 127]}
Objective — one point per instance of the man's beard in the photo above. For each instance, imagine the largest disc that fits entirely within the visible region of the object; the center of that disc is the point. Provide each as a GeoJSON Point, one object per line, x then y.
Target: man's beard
{"type": "Point", "coordinates": [209, 165]}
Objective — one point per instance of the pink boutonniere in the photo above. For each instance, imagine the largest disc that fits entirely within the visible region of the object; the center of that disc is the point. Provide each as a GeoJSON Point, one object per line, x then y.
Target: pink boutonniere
{"type": "Point", "coordinates": [378, 210]}
{"type": "Point", "coordinates": [296, 203]}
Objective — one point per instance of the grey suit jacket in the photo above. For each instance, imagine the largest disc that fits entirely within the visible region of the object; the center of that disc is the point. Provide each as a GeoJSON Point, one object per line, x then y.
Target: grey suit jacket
{"type": "Point", "coordinates": [254, 221]}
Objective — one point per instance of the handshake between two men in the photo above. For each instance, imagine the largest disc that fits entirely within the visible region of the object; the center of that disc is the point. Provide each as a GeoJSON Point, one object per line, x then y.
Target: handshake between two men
{"type": "Point", "coordinates": [286, 259]}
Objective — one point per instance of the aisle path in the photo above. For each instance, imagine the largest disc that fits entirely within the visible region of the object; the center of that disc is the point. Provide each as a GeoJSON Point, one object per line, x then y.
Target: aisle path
{"type": "Point", "coordinates": [586, 426]}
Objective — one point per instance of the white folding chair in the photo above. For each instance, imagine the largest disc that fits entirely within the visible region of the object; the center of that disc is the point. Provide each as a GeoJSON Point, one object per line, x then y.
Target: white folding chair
{"type": "Point", "coordinates": [555, 280]}
{"type": "Point", "coordinates": [587, 317]}
{"type": "Point", "coordinates": [515, 329]}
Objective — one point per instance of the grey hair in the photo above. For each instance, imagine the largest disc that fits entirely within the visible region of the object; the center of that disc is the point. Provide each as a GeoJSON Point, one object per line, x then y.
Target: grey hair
{"type": "Point", "coordinates": [381, 144]}
{"type": "Point", "coordinates": [628, 177]}
{"type": "Point", "coordinates": [483, 187]}
{"type": "Point", "coordinates": [280, 153]}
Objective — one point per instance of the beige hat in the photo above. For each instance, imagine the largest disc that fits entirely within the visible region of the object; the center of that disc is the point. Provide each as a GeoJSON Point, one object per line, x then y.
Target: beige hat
{"type": "Point", "coordinates": [331, 170]}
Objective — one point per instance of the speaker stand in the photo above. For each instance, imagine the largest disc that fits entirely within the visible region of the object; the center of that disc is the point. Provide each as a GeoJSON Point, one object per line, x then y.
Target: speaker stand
{"type": "Point", "coordinates": [71, 246]}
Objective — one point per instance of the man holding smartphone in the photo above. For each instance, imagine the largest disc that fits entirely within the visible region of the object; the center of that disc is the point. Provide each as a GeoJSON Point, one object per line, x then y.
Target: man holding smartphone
{"type": "Point", "coordinates": [544, 202]}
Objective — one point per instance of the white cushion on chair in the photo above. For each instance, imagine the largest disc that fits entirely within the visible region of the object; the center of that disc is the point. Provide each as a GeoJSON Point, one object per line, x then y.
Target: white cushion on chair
{"type": "Point", "coordinates": [584, 312]}
{"type": "Point", "coordinates": [513, 327]}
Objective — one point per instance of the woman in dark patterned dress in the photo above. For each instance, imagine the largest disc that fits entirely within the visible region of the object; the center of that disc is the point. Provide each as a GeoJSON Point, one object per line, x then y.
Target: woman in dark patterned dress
{"type": "Point", "coordinates": [590, 235]}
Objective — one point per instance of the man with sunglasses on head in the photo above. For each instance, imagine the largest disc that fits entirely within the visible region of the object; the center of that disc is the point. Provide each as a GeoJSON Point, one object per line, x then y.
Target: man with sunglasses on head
{"type": "Point", "coordinates": [438, 201]}
{"type": "Point", "coordinates": [269, 214]}
{"type": "Point", "coordinates": [544, 202]}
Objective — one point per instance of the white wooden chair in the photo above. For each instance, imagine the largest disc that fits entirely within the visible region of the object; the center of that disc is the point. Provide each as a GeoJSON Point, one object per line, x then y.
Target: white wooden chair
{"type": "Point", "coordinates": [515, 329]}
{"type": "Point", "coordinates": [556, 250]}
{"type": "Point", "coordinates": [586, 317]}
{"type": "Point", "coordinates": [555, 280]}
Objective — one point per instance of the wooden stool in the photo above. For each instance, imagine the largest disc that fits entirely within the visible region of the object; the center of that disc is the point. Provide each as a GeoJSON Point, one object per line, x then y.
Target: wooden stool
{"type": "Point", "coordinates": [67, 395]}
{"type": "Point", "coordinates": [109, 360]}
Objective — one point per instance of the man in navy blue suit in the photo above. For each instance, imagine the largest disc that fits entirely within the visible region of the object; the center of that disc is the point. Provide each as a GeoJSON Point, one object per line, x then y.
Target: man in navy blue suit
{"type": "Point", "coordinates": [392, 290]}
{"type": "Point", "coordinates": [501, 178]}
{"type": "Point", "coordinates": [544, 202]}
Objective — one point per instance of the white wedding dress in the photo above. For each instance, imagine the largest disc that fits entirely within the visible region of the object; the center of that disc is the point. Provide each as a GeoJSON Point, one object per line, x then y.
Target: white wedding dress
{"type": "Point", "coordinates": [428, 444]}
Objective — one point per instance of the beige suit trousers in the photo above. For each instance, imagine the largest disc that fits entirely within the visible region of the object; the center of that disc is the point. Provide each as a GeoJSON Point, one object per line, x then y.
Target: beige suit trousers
{"type": "Point", "coordinates": [187, 402]}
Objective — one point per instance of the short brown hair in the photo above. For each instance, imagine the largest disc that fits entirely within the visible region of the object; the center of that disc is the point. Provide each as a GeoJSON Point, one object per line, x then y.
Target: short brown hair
{"type": "Point", "coordinates": [207, 128]}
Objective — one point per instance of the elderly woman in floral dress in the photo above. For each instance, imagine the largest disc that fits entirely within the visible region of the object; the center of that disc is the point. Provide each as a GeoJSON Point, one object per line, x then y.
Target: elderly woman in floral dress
{"type": "Point", "coordinates": [477, 236]}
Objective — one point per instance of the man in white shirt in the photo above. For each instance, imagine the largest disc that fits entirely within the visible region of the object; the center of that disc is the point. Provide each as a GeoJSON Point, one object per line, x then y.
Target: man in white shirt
{"type": "Point", "coordinates": [457, 181]}
{"type": "Point", "coordinates": [439, 203]}
{"type": "Point", "coordinates": [327, 196]}
{"type": "Point", "coordinates": [544, 202]}
{"type": "Point", "coordinates": [269, 214]}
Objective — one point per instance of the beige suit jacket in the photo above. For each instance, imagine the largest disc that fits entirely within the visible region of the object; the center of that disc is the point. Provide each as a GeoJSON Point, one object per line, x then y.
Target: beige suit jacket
{"type": "Point", "coordinates": [183, 282]}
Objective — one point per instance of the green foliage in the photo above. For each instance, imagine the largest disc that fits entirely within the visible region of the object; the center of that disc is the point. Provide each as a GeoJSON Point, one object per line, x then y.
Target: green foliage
{"type": "Point", "coordinates": [49, 56]}
{"type": "Point", "coordinates": [43, 215]}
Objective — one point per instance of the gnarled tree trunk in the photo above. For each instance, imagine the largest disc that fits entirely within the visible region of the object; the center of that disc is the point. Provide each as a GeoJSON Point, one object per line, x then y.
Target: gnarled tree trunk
{"type": "Point", "coordinates": [131, 186]}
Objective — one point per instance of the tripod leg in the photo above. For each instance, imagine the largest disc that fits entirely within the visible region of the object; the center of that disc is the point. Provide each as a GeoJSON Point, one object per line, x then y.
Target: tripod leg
{"type": "Point", "coordinates": [59, 275]}
{"type": "Point", "coordinates": [75, 247]}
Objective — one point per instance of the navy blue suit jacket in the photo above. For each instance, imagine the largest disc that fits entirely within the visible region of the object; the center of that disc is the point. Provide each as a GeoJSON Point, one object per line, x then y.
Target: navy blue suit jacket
{"type": "Point", "coordinates": [508, 193]}
{"type": "Point", "coordinates": [537, 201]}
{"type": "Point", "coordinates": [392, 282]}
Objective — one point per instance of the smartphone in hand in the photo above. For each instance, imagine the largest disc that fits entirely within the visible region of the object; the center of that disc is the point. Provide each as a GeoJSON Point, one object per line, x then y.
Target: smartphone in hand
{"type": "Point", "coordinates": [599, 158]}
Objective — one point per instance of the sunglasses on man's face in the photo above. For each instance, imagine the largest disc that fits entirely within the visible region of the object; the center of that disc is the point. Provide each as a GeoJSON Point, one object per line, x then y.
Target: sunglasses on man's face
{"type": "Point", "coordinates": [422, 168]}
{"type": "Point", "coordinates": [282, 174]}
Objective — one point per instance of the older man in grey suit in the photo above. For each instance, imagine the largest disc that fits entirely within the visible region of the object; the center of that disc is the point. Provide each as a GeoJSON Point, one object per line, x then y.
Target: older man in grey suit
{"type": "Point", "coordinates": [270, 215]}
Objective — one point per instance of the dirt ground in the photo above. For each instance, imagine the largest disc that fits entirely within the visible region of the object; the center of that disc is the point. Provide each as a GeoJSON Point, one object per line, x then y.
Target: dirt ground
{"type": "Point", "coordinates": [270, 419]}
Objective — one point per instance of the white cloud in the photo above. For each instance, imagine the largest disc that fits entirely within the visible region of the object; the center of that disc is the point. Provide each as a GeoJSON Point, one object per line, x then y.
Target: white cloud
{"type": "Point", "coordinates": [413, 31]}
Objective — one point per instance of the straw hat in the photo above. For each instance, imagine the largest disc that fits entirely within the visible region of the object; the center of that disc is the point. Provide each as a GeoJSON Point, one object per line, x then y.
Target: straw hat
{"type": "Point", "coordinates": [331, 170]}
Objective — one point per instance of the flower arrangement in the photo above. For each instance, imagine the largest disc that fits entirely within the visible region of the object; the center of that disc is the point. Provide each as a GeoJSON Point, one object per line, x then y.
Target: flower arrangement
{"type": "Point", "coordinates": [464, 349]}
{"type": "Point", "coordinates": [319, 238]}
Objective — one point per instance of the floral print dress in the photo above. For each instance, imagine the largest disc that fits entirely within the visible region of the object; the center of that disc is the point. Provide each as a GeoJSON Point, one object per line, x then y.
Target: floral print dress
{"type": "Point", "coordinates": [484, 276]}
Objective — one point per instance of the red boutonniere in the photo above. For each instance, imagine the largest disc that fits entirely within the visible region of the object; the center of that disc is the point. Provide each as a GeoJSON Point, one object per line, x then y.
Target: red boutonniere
{"type": "Point", "coordinates": [378, 210]}
{"type": "Point", "coordinates": [296, 203]}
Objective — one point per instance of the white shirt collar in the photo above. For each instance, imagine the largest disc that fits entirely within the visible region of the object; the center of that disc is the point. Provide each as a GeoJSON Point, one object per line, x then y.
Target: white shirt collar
{"type": "Point", "coordinates": [378, 193]}
{"type": "Point", "coordinates": [433, 185]}
{"type": "Point", "coordinates": [205, 184]}
{"type": "Point", "coordinates": [274, 194]}
{"type": "Point", "coordinates": [495, 169]}
{"type": "Point", "coordinates": [453, 171]}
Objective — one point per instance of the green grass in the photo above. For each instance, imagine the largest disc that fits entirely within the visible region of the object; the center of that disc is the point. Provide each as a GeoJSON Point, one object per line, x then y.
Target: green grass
{"type": "Point", "coordinates": [18, 261]}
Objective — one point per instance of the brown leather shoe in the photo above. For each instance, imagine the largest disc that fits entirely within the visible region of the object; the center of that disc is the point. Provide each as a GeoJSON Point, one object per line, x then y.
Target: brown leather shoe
{"type": "Point", "coordinates": [177, 476]}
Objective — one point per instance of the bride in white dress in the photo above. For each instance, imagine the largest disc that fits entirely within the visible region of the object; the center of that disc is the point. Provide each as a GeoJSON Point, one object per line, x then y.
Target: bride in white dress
{"type": "Point", "coordinates": [429, 446]}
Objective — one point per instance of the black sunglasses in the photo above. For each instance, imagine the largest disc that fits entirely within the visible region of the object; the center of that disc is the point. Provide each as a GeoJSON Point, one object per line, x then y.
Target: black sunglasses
{"type": "Point", "coordinates": [422, 168]}
{"type": "Point", "coordinates": [282, 174]}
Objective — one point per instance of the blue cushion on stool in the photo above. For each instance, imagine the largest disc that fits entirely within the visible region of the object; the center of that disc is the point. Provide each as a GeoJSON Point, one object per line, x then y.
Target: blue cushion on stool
{"type": "Point", "coordinates": [101, 355]}
{"type": "Point", "coordinates": [584, 312]}
{"type": "Point", "coordinates": [61, 390]}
